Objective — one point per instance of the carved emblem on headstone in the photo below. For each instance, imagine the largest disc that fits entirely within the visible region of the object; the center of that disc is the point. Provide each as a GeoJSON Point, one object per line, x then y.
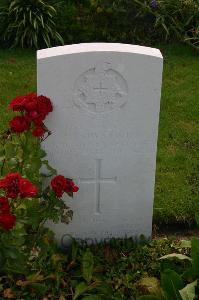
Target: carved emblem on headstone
{"type": "Point", "coordinates": [100, 89]}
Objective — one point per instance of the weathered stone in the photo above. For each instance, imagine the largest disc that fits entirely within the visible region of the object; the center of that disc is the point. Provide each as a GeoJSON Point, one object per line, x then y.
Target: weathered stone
{"type": "Point", "coordinates": [104, 134]}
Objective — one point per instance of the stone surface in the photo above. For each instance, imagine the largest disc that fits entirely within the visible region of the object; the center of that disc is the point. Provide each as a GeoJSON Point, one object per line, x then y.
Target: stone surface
{"type": "Point", "coordinates": [104, 134]}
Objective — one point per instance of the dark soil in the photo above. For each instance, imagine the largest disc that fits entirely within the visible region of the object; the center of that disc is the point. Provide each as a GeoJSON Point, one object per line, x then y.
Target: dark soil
{"type": "Point", "coordinates": [177, 231]}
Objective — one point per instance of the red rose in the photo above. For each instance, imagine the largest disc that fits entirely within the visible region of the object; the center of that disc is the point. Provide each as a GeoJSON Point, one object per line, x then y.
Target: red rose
{"type": "Point", "coordinates": [39, 120]}
{"type": "Point", "coordinates": [35, 108]}
{"type": "Point", "coordinates": [38, 131]}
{"type": "Point", "coordinates": [31, 102]}
{"type": "Point", "coordinates": [71, 187]}
{"type": "Point", "coordinates": [27, 189]}
{"type": "Point", "coordinates": [31, 115]}
{"type": "Point", "coordinates": [38, 109]}
{"type": "Point", "coordinates": [19, 124]}
{"type": "Point", "coordinates": [7, 221]}
{"type": "Point", "coordinates": [44, 105]}
{"type": "Point", "coordinates": [75, 188]}
{"type": "Point", "coordinates": [19, 103]}
{"type": "Point", "coordinates": [30, 106]}
{"type": "Point", "coordinates": [15, 185]}
{"type": "Point", "coordinates": [58, 185]}
{"type": "Point", "coordinates": [3, 183]}
{"type": "Point", "coordinates": [36, 117]}
{"type": "Point", "coordinates": [4, 205]}
{"type": "Point", "coordinates": [11, 184]}
{"type": "Point", "coordinates": [3, 200]}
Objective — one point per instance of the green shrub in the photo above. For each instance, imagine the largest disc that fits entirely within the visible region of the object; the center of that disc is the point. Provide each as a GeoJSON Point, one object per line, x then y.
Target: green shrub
{"type": "Point", "coordinates": [123, 21]}
{"type": "Point", "coordinates": [145, 22]}
{"type": "Point", "coordinates": [4, 5]}
{"type": "Point", "coordinates": [138, 22]}
{"type": "Point", "coordinates": [73, 24]}
{"type": "Point", "coordinates": [174, 19]}
{"type": "Point", "coordinates": [29, 23]}
{"type": "Point", "coordinates": [104, 20]}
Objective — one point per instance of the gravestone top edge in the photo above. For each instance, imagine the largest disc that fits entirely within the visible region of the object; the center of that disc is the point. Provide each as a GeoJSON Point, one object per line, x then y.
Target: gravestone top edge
{"type": "Point", "coordinates": [97, 47]}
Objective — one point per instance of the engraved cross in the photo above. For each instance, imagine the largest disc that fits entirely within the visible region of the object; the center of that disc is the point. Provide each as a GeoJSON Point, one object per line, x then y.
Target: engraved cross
{"type": "Point", "coordinates": [98, 180]}
{"type": "Point", "coordinates": [101, 88]}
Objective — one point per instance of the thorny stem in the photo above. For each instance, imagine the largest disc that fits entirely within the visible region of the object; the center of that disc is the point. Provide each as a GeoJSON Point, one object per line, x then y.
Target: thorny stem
{"type": "Point", "coordinates": [38, 234]}
{"type": "Point", "coordinates": [48, 134]}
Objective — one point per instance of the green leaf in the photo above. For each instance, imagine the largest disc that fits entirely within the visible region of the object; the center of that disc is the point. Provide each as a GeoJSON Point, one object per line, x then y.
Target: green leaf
{"type": "Point", "coordinates": [185, 244]}
{"type": "Point", "coordinates": [197, 218]}
{"type": "Point", "coordinates": [171, 283]}
{"type": "Point", "coordinates": [16, 269]}
{"type": "Point", "coordinates": [105, 289]}
{"type": "Point", "coordinates": [149, 284]}
{"type": "Point", "coordinates": [49, 168]}
{"type": "Point", "coordinates": [195, 256]}
{"type": "Point", "coordinates": [35, 164]}
{"type": "Point", "coordinates": [149, 297]}
{"type": "Point", "coordinates": [87, 265]}
{"type": "Point", "coordinates": [80, 289]}
{"type": "Point", "coordinates": [2, 158]}
{"type": "Point", "coordinates": [2, 260]}
{"type": "Point", "coordinates": [10, 150]}
{"type": "Point", "coordinates": [40, 288]}
{"type": "Point", "coordinates": [175, 255]}
{"type": "Point", "coordinates": [188, 292]}
{"type": "Point", "coordinates": [34, 277]}
{"type": "Point", "coordinates": [41, 153]}
{"type": "Point", "coordinates": [12, 163]}
{"type": "Point", "coordinates": [92, 297]}
{"type": "Point", "coordinates": [75, 247]}
{"type": "Point", "coordinates": [11, 253]}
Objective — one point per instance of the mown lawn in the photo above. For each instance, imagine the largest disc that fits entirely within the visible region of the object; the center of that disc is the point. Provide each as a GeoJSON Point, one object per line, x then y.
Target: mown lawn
{"type": "Point", "coordinates": [177, 176]}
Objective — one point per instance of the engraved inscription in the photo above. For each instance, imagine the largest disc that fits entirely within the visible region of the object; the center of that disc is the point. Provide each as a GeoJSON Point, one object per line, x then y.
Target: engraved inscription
{"type": "Point", "coordinates": [109, 141]}
{"type": "Point", "coordinates": [100, 89]}
{"type": "Point", "coordinates": [98, 180]}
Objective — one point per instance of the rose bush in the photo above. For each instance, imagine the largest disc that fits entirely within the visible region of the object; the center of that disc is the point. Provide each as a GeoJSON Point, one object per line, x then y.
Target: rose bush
{"type": "Point", "coordinates": [25, 204]}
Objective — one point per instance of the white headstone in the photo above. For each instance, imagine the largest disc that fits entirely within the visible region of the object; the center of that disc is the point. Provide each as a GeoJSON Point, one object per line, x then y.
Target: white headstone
{"type": "Point", "coordinates": [104, 134]}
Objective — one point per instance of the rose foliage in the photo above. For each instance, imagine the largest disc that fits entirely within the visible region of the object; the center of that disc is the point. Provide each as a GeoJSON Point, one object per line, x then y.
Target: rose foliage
{"type": "Point", "coordinates": [29, 198]}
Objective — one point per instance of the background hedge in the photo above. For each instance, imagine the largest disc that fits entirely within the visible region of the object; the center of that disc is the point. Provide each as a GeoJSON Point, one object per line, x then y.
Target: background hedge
{"type": "Point", "coordinates": [143, 22]}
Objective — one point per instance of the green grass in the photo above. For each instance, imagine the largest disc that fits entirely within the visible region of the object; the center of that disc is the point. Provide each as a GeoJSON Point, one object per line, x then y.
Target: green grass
{"type": "Point", "coordinates": [17, 77]}
{"type": "Point", "coordinates": [177, 177]}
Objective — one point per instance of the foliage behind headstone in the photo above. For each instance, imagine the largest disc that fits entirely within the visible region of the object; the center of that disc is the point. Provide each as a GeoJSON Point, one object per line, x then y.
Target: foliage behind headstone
{"type": "Point", "coordinates": [40, 23]}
